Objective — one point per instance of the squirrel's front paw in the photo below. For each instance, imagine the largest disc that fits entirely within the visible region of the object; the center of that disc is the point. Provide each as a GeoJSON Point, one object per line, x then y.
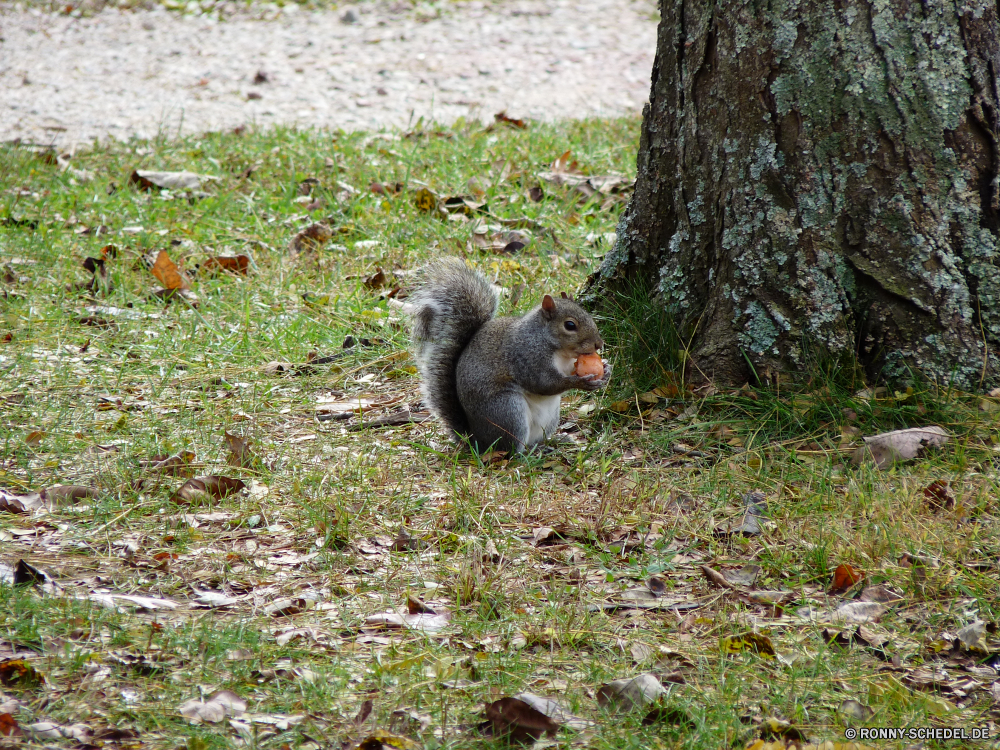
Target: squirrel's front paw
{"type": "Point", "coordinates": [592, 382]}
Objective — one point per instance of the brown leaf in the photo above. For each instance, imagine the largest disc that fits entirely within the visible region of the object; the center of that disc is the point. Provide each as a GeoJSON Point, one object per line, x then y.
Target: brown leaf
{"type": "Point", "coordinates": [96, 322]}
{"type": "Point", "coordinates": [656, 585]}
{"type": "Point", "coordinates": [504, 119]}
{"type": "Point", "coordinates": [11, 503]}
{"type": "Point", "coordinates": [240, 453]}
{"type": "Point", "coordinates": [9, 726]}
{"type": "Point", "coordinates": [715, 577]}
{"type": "Point", "coordinates": [34, 438]}
{"type": "Point", "coordinates": [745, 576]}
{"type": "Point", "coordinates": [363, 712]}
{"type": "Point", "coordinates": [178, 465]}
{"type": "Point", "coordinates": [377, 280]}
{"type": "Point", "coordinates": [19, 673]}
{"type": "Point", "coordinates": [212, 486]}
{"type": "Point", "coordinates": [167, 272]}
{"type": "Point", "coordinates": [25, 573]}
{"type": "Point", "coordinates": [900, 445]}
{"type": "Point", "coordinates": [310, 239]}
{"type": "Point", "coordinates": [855, 710]}
{"type": "Point", "coordinates": [844, 577]}
{"type": "Point", "coordinates": [938, 495]}
{"type": "Point", "coordinates": [879, 594]}
{"type": "Point", "coordinates": [380, 740]}
{"type": "Point", "coordinates": [62, 495]}
{"type": "Point", "coordinates": [388, 188]}
{"type": "Point", "coordinates": [238, 264]}
{"type": "Point", "coordinates": [416, 607]}
{"type": "Point", "coordinates": [519, 720]}
{"type": "Point", "coordinates": [563, 165]}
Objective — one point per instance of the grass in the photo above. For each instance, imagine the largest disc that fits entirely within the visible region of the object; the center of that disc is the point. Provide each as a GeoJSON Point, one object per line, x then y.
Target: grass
{"type": "Point", "coordinates": [340, 522]}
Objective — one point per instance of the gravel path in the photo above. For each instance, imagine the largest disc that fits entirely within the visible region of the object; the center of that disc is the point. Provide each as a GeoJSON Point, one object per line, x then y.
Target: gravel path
{"type": "Point", "coordinates": [118, 74]}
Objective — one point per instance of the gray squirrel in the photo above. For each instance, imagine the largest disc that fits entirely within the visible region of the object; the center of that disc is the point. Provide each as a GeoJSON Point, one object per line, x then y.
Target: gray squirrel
{"type": "Point", "coordinates": [496, 381]}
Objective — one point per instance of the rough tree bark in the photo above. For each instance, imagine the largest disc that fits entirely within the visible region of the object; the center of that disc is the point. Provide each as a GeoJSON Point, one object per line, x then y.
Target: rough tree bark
{"type": "Point", "coordinates": [822, 177]}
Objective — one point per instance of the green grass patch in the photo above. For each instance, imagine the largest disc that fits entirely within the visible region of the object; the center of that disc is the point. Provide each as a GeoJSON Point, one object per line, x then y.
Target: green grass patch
{"type": "Point", "coordinates": [556, 572]}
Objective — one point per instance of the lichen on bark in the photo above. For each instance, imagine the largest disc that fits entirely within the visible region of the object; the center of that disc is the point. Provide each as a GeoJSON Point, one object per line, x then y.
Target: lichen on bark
{"type": "Point", "coordinates": [821, 177]}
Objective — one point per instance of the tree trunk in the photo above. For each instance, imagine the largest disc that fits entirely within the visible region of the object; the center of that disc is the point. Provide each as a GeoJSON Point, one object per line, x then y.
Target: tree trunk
{"type": "Point", "coordinates": [821, 178]}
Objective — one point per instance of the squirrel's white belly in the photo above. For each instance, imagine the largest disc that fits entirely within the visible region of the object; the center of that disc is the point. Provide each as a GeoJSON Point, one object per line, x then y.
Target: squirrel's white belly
{"type": "Point", "coordinates": [543, 416]}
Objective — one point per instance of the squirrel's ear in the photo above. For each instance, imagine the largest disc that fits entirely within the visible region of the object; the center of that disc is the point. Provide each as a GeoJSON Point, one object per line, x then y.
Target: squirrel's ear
{"type": "Point", "coordinates": [567, 296]}
{"type": "Point", "coordinates": [548, 304]}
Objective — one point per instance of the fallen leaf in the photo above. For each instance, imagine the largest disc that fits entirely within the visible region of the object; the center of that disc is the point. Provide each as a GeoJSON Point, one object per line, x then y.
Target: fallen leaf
{"type": "Point", "coordinates": [237, 264]}
{"type": "Point", "coordinates": [748, 642]}
{"type": "Point", "coordinates": [504, 119]}
{"type": "Point", "coordinates": [240, 452]}
{"type": "Point", "coordinates": [388, 188]}
{"type": "Point", "coordinates": [844, 577]}
{"type": "Point", "coordinates": [973, 636]}
{"type": "Point", "coordinates": [745, 576]}
{"type": "Point", "coordinates": [212, 486]}
{"type": "Point", "coordinates": [178, 465]}
{"type": "Point", "coordinates": [62, 495]}
{"type": "Point", "coordinates": [425, 623]}
{"type": "Point", "coordinates": [167, 272]}
{"type": "Point", "coordinates": [9, 726]}
{"type": "Point", "coordinates": [462, 204]}
{"type": "Point", "coordinates": [749, 525]}
{"type": "Point", "coordinates": [25, 573]}
{"type": "Point", "coordinates": [145, 180]}
{"type": "Point", "coordinates": [900, 445]}
{"type": "Point", "coordinates": [774, 727]}
{"type": "Point", "coordinates": [380, 740]}
{"type": "Point", "coordinates": [522, 718]}
{"type": "Point", "coordinates": [19, 673]}
{"type": "Point", "coordinates": [220, 705]}
{"type": "Point", "coordinates": [879, 594]}
{"type": "Point", "coordinates": [630, 693]}
{"type": "Point", "coordinates": [364, 712]}
{"type": "Point", "coordinates": [286, 607]}
{"type": "Point", "coordinates": [425, 200]}
{"type": "Point", "coordinates": [715, 577]}
{"type": "Point", "coordinates": [377, 280]}
{"type": "Point", "coordinates": [150, 603]}
{"type": "Point", "coordinates": [859, 612]}
{"type": "Point", "coordinates": [48, 730]}
{"type": "Point", "coordinates": [11, 503]}
{"type": "Point", "coordinates": [310, 239]}
{"type": "Point", "coordinates": [34, 438]}
{"type": "Point", "coordinates": [855, 710]}
{"type": "Point", "coordinates": [938, 495]}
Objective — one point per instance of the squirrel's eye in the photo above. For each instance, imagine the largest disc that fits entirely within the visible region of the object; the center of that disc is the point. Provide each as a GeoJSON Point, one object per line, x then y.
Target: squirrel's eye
{"type": "Point", "coordinates": [570, 325]}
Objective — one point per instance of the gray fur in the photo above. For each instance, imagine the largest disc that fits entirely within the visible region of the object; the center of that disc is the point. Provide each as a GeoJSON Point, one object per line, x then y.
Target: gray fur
{"type": "Point", "coordinates": [451, 304]}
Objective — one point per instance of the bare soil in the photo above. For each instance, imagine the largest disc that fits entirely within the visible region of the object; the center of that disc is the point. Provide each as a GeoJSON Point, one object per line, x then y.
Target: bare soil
{"type": "Point", "coordinates": [145, 73]}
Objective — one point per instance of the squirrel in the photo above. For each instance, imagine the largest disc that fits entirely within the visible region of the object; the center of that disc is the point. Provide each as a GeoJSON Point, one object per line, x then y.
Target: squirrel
{"type": "Point", "coordinates": [496, 381]}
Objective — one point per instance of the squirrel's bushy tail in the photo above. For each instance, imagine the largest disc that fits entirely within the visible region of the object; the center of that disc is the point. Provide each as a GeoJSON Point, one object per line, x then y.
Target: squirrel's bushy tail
{"type": "Point", "coordinates": [452, 302]}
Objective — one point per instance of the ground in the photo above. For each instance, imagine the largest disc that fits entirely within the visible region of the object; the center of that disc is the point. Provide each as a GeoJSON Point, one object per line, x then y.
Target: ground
{"type": "Point", "coordinates": [268, 544]}
{"type": "Point", "coordinates": [68, 79]}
